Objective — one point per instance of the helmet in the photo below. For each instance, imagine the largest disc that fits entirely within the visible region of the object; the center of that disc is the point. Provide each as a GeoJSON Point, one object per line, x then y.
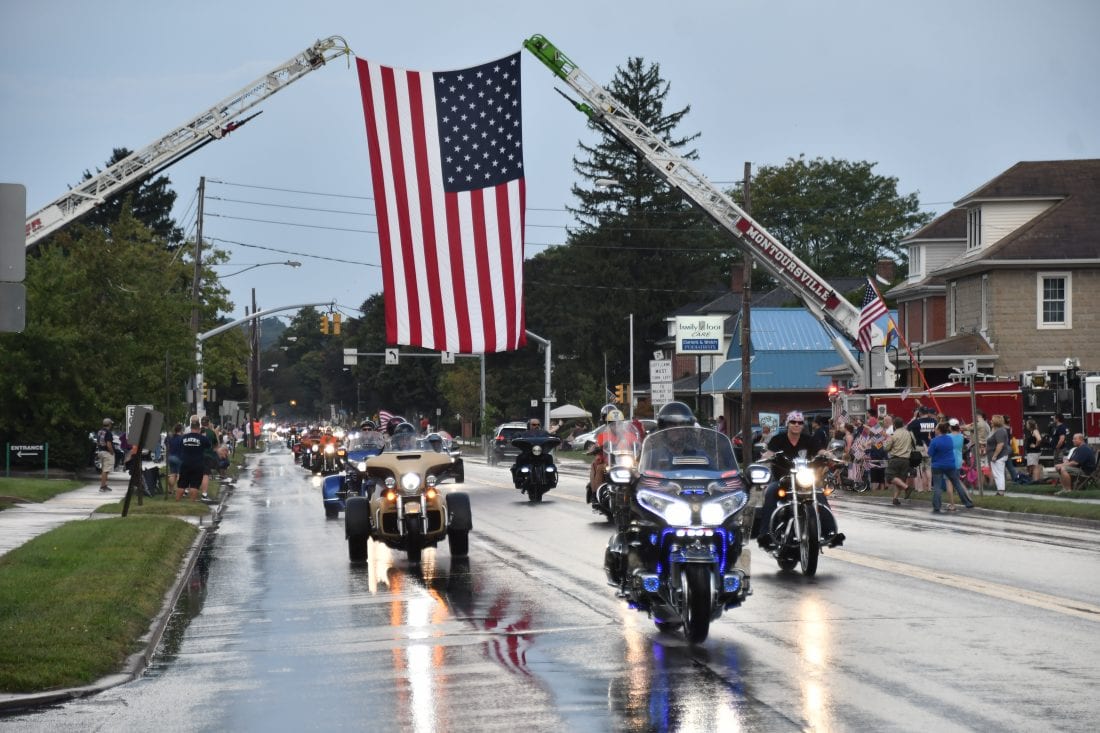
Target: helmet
{"type": "Point", "coordinates": [675, 415]}
{"type": "Point", "coordinates": [606, 409]}
{"type": "Point", "coordinates": [613, 415]}
{"type": "Point", "coordinates": [368, 425]}
{"type": "Point", "coordinates": [328, 430]}
{"type": "Point", "coordinates": [404, 429]}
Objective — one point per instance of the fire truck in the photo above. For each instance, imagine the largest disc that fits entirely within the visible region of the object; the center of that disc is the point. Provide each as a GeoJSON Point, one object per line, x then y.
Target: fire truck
{"type": "Point", "coordinates": [995, 396]}
{"type": "Point", "coordinates": [213, 124]}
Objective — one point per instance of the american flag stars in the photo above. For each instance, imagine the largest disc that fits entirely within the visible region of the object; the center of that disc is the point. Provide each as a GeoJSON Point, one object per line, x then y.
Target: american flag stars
{"type": "Point", "coordinates": [481, 140]}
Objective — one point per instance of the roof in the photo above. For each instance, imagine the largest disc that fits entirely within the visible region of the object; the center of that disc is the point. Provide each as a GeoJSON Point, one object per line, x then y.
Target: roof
{"type": "Point", "coordinates": [1065, 231]}
{"type": "Point", "coordinates": [951, 225]}
{"type": "Point", "coordinates": [776, 372]}
{"type": "Point", "coordinates": [786, 330]}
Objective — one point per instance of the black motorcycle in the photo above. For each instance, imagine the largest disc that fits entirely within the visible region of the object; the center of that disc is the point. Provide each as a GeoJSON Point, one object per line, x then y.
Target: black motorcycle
{"type": "Point", "coordinates": [534, 472]}
{"type": "Point", "coordinates": [796, 523]}
{"type": "Point", "coordinates": [680, 558]}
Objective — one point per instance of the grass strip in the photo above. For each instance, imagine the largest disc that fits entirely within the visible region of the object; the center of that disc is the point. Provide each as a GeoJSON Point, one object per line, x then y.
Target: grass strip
{"type": "Point", "coordinates": [16, 490]}
{"type": "Point", "coordinates": [76, 598]}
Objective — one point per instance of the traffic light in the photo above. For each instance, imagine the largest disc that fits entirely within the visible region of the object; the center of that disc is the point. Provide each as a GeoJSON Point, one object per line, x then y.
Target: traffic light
{"type": "Point", "coordinates": [205, 392]}
{"type": "Point", "coordinates": [335, 324]}
{"type": "Point", "coordinates": [620, 390]}
{"type": "Point", "coordinates": [324, 324]}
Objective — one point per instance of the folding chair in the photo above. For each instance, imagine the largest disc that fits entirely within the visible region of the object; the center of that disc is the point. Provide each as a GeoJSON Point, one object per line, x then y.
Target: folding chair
{"type": "Point", "coordinates": [1086, 480]}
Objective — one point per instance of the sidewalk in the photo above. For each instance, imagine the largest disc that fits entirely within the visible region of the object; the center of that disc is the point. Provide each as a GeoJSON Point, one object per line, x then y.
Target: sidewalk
{"type": "Point", "coordinates": [23, 522]}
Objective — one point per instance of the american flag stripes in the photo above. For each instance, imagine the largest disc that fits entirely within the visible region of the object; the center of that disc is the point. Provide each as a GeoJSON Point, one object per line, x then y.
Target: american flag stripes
{"type": "Point", "coordinates": [446, 154]}
{"type": "Point", "coordinates": [872, 309]}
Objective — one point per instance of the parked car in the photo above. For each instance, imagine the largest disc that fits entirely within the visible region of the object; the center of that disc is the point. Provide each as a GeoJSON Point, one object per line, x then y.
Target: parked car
{"type": "Point", "coordinates": [501, 449]}
{"type": "Point", "coordinates": [584, 441]}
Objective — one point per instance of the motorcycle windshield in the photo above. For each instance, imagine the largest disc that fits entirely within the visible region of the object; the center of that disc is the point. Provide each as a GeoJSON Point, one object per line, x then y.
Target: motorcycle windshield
{"type": "Point", "coordinates": [620, 442]}
{"type": "Point", "coordinates": [687, 449]}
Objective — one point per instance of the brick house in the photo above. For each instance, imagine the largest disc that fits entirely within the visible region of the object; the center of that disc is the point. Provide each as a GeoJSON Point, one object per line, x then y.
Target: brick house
{"type": "Point", "coordinates": [1010, 276]}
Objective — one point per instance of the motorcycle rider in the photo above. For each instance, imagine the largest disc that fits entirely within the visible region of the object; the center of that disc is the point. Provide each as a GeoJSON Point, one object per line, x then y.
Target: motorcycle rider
{"type": "Point", "coordinates": [370, 434]}
{"type": "Point", "coordinates": [534, 430]}
{"type": "Point", "coordinates": [790, 444]}
{"type": "Point", "coordinates": [403, 437]}
{"type": "Point", "coordinates": [608, 414]}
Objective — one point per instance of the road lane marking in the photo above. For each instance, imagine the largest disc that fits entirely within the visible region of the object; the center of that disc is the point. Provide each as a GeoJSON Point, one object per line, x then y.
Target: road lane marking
{"type": "Point", "coordinates": [1044, 601]}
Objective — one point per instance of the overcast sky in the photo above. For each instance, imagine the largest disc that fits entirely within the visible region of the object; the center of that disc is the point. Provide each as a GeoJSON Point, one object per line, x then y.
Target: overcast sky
{"type": "Point", "coordinates": [942, 94]}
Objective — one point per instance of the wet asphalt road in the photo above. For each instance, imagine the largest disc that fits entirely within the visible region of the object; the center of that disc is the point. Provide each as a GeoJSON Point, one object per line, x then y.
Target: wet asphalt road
{"type": "Point", "coordinates": [918, 623]}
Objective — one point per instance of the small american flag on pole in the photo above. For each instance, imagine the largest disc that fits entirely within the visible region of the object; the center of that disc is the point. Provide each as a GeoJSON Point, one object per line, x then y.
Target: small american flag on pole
{"type": "Point", "coordinates": [872, 309]}
{"type": "Point", "coordinates": [446, 154]}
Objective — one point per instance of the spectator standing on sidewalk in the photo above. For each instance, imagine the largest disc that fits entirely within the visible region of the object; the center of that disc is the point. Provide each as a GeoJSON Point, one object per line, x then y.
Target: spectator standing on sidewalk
{"type": "Point", "coordinates": [193, 448]}
{"type": "Point", "coordinates": [1032, 441]}
{"type": "Point", "coordinates": [923, 428]}
{"type": "Point", "coordinates": [898, 447]}
{"type": "Point", "coordinates": [1059, 437]}
{"type": "Point", "coordinates": [997, 451]}
{"type": "Point", "coordinates": [105, 449]}
{"type": "Point", "coordinates": [941, 452]}
{"type": "Point", "coordinates": [174, 456]}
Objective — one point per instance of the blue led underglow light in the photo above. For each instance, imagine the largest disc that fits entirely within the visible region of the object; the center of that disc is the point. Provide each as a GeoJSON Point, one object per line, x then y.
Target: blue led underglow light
{"type": "Point", "coordinates": [650, 583]}
{"type": "Point", "coordinates": [731, 583]}
{"type": "Point", "coordinates": [653, 539]}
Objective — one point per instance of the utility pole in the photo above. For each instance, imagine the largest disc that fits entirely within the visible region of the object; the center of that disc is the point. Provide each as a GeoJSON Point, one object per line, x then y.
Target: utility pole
{"type": "Point", "coordinates": [254, 381]}
{"type": "Point", "coordinates": [197, 388]}
{"type": "Point", "coordinates": [746, 340]}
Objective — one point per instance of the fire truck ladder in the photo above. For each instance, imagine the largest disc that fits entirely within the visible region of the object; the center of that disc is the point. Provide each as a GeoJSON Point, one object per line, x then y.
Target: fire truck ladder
{"type": "Point", "coordinates": [603, 109]}
{"type": "Point", "coordinates": [213, 124]}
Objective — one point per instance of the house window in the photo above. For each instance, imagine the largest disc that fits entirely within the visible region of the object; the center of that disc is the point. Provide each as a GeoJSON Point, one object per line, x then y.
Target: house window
{"type": "Point", "coordinates": [973, 229]}
{"type": "Point", "coordinates": [916, 267]}
{"type": "Point", "coordinates": [1055, 301]}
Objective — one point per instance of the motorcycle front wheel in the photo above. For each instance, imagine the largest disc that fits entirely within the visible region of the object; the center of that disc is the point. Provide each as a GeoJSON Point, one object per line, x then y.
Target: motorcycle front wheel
{"type": "Point", "coordinates": [809, 545]}
{"type": "Point", "coordinates": [696, 584]}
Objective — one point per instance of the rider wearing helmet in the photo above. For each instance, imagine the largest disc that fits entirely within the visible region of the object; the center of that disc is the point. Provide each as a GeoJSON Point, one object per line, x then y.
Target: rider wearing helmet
{"type": "Point", "coordinates": [403, 437]}
{"type": "Point", "coordinates": [609, 414]}
{"type": "Point", "coordinates": [328, 438]}
{"type": "Point", "coordinates": [675, 415]}
{"type": "Point", "coordinates": [790, 443]}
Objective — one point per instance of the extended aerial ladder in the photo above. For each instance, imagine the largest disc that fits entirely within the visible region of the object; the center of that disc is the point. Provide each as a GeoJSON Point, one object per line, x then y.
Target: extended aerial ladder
{"type": "Point", "coordinates": [603, 109]}
{"type": "Point", "coordinates": [213, 124]}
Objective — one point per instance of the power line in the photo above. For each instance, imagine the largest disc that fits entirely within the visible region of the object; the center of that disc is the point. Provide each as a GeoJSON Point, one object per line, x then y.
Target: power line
{"type": "Point", "coordinates": [290, 252]}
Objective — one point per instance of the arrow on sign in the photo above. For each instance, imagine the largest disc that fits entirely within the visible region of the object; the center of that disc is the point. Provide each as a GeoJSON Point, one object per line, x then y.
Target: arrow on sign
{"type": "Point", "coordinates": [21, 454]}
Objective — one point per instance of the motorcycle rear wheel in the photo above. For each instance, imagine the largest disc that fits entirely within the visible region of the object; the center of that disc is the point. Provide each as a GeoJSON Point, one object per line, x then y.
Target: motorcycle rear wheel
{"type": "Point", "coordinates": [809, 545]}
{"type": "Point", "coordinates": [696, 603]}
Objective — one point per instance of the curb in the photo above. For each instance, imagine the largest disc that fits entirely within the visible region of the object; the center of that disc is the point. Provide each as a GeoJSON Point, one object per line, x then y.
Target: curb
{"type": "Point", "coordinates": [137, 662]}
{"type": "Point", "coordinates": [997, 514]}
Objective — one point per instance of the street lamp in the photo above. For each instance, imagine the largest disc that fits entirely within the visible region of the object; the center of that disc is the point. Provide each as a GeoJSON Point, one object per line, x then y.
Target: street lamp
{"type": "Point", "coordinates": [288, 263]}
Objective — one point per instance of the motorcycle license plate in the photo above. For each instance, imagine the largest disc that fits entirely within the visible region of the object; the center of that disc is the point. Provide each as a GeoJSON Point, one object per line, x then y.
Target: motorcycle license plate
{"type": "Point", "coordinates": [412, 508]}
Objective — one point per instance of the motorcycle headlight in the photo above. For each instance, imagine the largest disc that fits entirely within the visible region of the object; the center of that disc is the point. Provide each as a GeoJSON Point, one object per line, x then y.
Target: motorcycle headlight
{"type": "Point", "coordinates": [674, 511]}
{"type": "Point", "coordinates": [410, 482]}
{"type": "Point", "coordinates": [390, 483]}
{"type": "Point", "coordinates": [536, 450]}
{"type": "Point", "coordinates": [715, 511]}
{"type": "Point", "coordinates": [361, 467]}
{"type": "Point", "coordinates": [315, 448]}
{"type": "Point", "coordinates": [330, 449]}
{"type": "Point", "coordinates": [805, 477]}
{"type": "Point", "coordinates": [626, 461]}
{"type": "Point", "coordinates": [620, 475]}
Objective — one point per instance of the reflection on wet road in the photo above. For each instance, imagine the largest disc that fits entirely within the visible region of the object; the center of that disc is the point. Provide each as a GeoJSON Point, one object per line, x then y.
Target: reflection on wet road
{"type": "Point", "coordinates": [276, 630]}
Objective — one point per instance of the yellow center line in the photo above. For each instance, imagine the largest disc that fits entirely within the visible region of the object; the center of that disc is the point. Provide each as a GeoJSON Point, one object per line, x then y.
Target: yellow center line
{"type": "Point", "coordinates": [1067, 606]}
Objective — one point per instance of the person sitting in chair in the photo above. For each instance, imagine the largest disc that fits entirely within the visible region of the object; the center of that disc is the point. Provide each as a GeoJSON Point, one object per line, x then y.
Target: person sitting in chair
{"type": "Point", "coordinates": [1081, 462]}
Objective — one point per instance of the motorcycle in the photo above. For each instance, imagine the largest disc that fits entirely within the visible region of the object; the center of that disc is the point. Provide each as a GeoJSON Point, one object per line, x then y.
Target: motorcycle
{"type": "Point", "coordinates": [534, 472]}
{"type": "Point", "coordinates": [325, 458]}
{"type": "Point", "coordinates": [353, 481]}
{"type": "Point", "coordinates": [795, 525]}
{"type": "Point", "coordinates": [680, 557]}
{"type": "Point", "coordinates": [620, 448]}
{"type": "Point", "coordinates": [409, 512]}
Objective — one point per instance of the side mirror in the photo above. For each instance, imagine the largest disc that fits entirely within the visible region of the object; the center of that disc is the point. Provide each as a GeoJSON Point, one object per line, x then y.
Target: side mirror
{"type": "Point", "coordinates": [759, 474]}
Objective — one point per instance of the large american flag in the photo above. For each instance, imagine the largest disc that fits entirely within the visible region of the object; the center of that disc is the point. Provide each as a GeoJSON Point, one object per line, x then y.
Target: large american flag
{"type": "Point", "coordinates": [873, 308]}
{"type": "Point", "coordinates": [446, 153]}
